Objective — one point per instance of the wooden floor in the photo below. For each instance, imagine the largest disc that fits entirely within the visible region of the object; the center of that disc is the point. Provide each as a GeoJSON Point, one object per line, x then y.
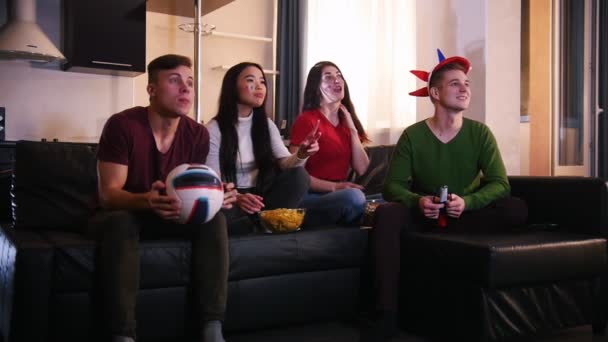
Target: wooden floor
{"type": "Point", "coordinates": [344, 332]}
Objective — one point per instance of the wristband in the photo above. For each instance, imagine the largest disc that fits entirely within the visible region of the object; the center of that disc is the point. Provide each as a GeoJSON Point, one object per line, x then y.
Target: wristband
{"type": "Point", "coordinates": [298, 155]}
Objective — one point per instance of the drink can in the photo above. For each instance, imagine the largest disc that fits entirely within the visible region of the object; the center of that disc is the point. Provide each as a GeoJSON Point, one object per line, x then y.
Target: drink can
{"type": "Point", "coordinates": [443, 194]}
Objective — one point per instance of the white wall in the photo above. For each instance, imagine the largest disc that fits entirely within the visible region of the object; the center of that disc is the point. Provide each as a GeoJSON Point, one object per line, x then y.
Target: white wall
{"type": "Point", "coordinates": [46, 102]}
{"type": "Point", "coordinates": [49, 103]}
{"type": "Point", "coordinates": [503, 89]}
{"type": "Point", "coordinates": [487, 32]}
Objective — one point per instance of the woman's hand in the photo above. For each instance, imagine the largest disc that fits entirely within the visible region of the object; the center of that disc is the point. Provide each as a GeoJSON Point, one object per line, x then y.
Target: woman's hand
{"type": "Point", "coordinates": [249, 203]}
{"type": "Point", "coordinates": [347, 185]}
{"type": "Point", "coordinates": [310, 144]}
{"type": "Point", "coordinates": [167, 207]}
{"type": "Point", "coordinates": [229, 195]}
{"type": "Point", "coordinates": [348, 118]}
{"type": "Point", "coordinates": [428, 207]}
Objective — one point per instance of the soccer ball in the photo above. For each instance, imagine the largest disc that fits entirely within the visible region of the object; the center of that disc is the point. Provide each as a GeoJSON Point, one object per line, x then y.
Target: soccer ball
{"type": "Point", "coordinates": [199, 189]}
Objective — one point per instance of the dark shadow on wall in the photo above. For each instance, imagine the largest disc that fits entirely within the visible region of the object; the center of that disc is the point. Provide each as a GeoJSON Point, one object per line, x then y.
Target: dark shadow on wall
{"type": "Point", "coordinates": [603, 91]}
{"type": "Point", "coordinates": [4, 11]}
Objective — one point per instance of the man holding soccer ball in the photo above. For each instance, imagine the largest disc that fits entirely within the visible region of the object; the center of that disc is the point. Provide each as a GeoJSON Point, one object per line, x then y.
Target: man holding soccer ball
{"type": "Point", "coordinates": [137, 149]}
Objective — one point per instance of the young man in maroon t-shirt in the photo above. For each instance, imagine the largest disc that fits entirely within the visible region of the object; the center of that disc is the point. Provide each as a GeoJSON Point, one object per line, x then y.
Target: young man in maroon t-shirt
{"type": "Point", "coordinates": [137, 149]}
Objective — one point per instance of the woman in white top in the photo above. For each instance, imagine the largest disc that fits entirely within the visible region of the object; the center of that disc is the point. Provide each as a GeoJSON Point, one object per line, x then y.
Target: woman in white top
{"type": "Point", "coordinates": [246, 147]}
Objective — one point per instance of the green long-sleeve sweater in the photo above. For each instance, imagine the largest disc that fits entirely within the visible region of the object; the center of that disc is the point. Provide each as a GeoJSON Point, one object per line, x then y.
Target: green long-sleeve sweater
{"type": "Point", "coordinates": [469, 164]}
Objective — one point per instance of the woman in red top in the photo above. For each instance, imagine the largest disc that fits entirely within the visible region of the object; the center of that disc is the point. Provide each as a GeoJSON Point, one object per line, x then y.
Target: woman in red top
{"type": "Point", "coordinates": [327, 102]}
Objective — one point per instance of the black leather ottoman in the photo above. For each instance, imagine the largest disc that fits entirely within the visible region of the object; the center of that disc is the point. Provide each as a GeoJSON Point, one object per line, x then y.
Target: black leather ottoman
{"type": "Point", "coordinates": [499, 286]}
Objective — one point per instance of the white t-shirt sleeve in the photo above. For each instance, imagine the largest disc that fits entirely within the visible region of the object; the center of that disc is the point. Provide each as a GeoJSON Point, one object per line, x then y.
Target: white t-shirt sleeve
{"type": "Point", "coordinates": [215, 139]}
{"type": "Point", "coordinates": [279, 150]}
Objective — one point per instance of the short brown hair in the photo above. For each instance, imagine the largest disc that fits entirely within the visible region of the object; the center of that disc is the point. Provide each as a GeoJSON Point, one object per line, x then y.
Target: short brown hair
{"type": "Point", "coordinates": [166, 62]}
{"type": "Point", "coordinates": [437, 76]}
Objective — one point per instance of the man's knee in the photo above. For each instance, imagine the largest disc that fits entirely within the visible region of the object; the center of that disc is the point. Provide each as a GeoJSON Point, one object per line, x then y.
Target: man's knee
{"type": "Point", "coordinates": [391, 211]}
{"type": "Point", "coordinates": [219, 220]}
{"type": "Point", "coordinates": [391, 215]}
{"type": "Point", "coordinates": [115, 225]}
{"type": "Point", "coordinates": [216, 228]}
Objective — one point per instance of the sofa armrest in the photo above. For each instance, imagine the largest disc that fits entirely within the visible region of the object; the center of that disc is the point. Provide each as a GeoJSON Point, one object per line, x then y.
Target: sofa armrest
{"type": "Point", "coordinates": [25, 287]}
{"type": "Point", "coordinates": [570, 204]}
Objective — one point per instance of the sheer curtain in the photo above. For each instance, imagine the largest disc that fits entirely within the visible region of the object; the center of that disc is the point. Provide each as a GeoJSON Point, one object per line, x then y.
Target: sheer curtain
{"type": "Point", "coordinates": [374, 44]}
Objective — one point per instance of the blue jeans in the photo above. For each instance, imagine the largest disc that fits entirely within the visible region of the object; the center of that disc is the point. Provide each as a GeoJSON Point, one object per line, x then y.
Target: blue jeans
{"type": "Point", "coordinates": [343, 207]}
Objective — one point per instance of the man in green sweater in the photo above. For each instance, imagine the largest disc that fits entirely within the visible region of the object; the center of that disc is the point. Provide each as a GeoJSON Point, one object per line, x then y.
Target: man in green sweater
{"type": "Point", "coordinates": [447, 149]}
{"type": "Point", "coordinates": [443, 150]}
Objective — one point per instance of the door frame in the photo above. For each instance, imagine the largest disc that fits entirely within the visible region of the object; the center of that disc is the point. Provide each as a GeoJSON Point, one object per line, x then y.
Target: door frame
{"type": "Point", "coordinates": [590, 83]}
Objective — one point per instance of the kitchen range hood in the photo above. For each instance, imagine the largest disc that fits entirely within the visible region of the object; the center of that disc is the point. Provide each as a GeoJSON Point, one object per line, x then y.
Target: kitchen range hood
{"type": "Point", "coordinates": [22, 38]}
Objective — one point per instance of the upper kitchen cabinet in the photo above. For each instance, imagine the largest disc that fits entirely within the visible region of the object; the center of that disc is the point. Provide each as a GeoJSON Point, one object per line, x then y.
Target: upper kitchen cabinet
{"type": "Point", "coordinates": [184, 8]}
{"type": "Point", "coordinates": [105, 37]}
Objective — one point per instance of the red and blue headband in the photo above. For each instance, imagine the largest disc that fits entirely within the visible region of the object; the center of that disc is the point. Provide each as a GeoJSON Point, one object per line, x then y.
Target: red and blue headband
{"type": "Point", "coordinates": [426, 76]}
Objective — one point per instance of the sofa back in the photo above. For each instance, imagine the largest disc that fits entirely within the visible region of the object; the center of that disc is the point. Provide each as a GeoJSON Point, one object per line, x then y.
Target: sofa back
{"type": "Point", "coordinates": [565, 203]}
{"type": "Point", "coordinates": [373, 178]}
{"type": "Point", "coordinates": [54, 185]}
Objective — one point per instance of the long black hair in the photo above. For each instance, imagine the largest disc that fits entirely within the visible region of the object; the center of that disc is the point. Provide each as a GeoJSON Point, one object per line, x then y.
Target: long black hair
{"type": "Point", "coordinates": [312, 96]}
{"type": "Point", "coordinates": [227, 119]}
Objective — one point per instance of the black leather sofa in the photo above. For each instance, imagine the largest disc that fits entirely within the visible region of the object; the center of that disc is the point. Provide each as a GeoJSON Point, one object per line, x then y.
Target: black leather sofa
{"type": "Point", "coordinates": [489, 287]}
{"type": "Point", "coordinates": [48, 267]}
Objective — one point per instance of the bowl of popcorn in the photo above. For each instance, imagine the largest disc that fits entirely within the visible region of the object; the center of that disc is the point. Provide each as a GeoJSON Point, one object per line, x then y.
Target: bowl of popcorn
{"type": "Point", "coordinates": [281, 220]}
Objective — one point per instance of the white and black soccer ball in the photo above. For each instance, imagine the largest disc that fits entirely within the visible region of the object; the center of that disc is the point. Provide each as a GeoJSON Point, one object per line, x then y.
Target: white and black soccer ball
{"type": "Point", "coordinates": [199, 189]}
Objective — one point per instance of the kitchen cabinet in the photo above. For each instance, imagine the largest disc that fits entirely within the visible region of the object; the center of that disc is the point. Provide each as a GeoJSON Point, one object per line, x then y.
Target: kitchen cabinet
{"type": "Point", "coordinates": [105, 37]}
{"type": "Point", "coordinates": [185, 8]}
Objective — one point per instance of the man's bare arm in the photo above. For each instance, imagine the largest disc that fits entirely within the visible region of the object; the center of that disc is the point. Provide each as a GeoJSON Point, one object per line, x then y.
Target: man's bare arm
{"type": "Point", "coordinates": [111, 180]}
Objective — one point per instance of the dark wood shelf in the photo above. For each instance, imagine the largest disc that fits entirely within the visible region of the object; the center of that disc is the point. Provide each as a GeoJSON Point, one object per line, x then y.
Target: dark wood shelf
{"type": "Point", "coordinates": [184, 8]}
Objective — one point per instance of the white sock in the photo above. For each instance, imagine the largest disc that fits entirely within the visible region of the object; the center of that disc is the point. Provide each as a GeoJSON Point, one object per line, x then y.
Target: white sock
{"type": "Point", "coordinates": [212, 331]}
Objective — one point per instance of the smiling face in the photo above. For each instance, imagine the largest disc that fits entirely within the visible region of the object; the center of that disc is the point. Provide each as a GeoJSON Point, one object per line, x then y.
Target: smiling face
{"type": "Point", "coordinates": [172, 92]}
{"type": "Point", "coordinates": [453, 91]}
{"type": "Point", "coordinates": [332, 85]}
{"type": "Point", "coordinates": [251, 87]}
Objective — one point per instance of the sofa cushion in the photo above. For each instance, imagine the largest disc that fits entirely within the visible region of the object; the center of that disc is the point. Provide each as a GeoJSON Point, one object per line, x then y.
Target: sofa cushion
{"type": "Point", "coordinates": [166, 263]}
{"type": "Point", "coordinates": [54, 186]}
{"type": "Point", "coordinates": [307, 250]}
{"type": "Point", "coordinates": [502, 260]}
